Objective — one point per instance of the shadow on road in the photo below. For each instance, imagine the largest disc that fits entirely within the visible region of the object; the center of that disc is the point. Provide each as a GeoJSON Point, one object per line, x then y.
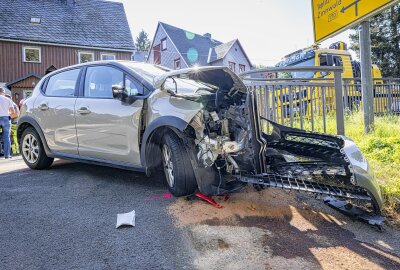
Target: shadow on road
{"type": "Point", "coordinates": [295, 233]}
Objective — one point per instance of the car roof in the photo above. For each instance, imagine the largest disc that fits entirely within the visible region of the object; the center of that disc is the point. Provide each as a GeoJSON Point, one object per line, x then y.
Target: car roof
{"type": "Point", "coordinates": [122, 64]}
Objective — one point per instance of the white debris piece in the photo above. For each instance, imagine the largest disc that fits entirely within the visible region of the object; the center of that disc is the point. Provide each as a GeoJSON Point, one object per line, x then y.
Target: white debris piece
{"type": "Point", "coordinates": [126, 219]}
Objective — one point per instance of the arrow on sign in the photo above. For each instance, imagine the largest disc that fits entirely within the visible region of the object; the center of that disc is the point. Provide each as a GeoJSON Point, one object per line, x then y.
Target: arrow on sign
{"type": "Point", "coordinates": [355, 3]}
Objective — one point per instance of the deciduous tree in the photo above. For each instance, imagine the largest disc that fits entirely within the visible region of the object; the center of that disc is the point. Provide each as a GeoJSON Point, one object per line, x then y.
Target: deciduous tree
{"type": "Point", "coordinates": [385, 41]}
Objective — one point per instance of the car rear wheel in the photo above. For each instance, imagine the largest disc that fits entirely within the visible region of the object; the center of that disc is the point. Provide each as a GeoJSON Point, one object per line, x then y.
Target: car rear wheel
{"type": "Point", "coordinates": [178, 169]}
{"type": "Point", "coordinates": [32, 150]}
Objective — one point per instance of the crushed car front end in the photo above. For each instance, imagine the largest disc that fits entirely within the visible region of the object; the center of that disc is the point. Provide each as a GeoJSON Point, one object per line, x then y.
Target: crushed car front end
{"type": "Point", "coordinates": [228, 147]}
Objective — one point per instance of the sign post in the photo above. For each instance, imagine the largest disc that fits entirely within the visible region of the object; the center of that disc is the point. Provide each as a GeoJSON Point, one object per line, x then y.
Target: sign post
{"type": "Point", "coordinates": [330, 17]}
{"type": "Point", "coordinates": [366, 76]}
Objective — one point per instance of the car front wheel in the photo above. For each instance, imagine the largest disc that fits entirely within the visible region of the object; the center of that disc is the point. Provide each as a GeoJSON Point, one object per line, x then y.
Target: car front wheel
{"type": "Point", "coordinates": [178, 169]}
{"type": "Point", "coordinates": [32, 150]}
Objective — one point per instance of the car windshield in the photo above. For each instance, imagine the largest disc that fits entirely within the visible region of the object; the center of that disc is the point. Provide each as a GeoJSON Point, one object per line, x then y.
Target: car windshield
{"type": "Point", "coordinates": [147, 71]}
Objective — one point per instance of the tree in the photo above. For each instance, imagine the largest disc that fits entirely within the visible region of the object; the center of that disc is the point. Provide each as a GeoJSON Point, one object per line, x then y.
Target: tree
{"type": "Point", "coordinates": [385, 41]}
{"type": "Point", "coordinates": [142, 41]}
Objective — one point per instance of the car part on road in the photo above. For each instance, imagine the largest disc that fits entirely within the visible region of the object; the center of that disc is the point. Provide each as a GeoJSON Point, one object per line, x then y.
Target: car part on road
{"type": "Point", "coordinates": [126, 219]}
{"type": "Point", "coordinates": [355, 211]}
{"type": "Point", "coordinates": [208, 199]}
{"type": "Point", "coordinates": [32, 150]}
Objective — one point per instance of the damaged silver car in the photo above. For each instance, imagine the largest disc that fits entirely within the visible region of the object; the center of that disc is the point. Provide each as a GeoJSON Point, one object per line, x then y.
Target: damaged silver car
{"type": "Point", "coordinates": [200, 126]}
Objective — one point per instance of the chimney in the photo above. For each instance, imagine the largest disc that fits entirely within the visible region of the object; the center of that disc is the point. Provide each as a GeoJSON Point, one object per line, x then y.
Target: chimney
{"type": "Point", "coordinates": [207, 35]}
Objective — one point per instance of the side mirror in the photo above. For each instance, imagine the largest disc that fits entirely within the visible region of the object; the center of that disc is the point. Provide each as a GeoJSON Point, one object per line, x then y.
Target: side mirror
{"type": "Point", "coordinates": [119, 92]}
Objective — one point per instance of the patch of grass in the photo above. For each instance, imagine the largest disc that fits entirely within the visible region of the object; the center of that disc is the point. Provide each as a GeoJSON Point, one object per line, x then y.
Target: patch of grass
{"type": "Point", "coordinates": [382, 149]}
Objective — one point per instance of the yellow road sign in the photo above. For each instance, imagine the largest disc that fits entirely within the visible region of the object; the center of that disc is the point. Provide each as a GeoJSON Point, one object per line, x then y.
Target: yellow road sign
{"type": "Point", "coordinates": [331, 17]}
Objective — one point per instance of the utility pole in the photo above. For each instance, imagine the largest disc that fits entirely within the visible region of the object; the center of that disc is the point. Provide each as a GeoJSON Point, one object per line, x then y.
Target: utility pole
{"type": "Point", "coordinates": [366, 76]}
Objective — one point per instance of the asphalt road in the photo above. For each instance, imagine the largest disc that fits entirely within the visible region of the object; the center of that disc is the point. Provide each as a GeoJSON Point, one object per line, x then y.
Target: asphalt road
{"type": "Point", "coordinates": [65, 217]}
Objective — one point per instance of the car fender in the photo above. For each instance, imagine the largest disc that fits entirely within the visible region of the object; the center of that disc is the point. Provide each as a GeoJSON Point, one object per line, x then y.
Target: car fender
{"type": "Point", "coordinates": [174, 123]}
{"type": "Point", "coordinates": [30, 120]}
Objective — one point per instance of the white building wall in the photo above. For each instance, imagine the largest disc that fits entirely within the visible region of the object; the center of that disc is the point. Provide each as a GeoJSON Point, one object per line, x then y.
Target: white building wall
{"type": "Point", "coordinates": [237, 56]}
{"type": "Point", "coordinates": [169, 55]}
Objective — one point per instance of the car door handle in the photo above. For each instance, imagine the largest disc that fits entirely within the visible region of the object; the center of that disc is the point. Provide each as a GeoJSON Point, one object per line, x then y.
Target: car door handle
{"type": "Point", "coordinates": [43, 107]}
{"type": "Point", "coordinates": [83, 110]}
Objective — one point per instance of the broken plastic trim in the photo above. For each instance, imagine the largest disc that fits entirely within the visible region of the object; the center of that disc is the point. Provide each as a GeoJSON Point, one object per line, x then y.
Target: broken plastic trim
{"type": "Point", "coordinates": [355, 211]}
{"type": "Point", "coordinates": [292, 183]}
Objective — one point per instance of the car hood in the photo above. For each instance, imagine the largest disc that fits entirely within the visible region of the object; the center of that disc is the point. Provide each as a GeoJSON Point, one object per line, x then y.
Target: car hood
{"type": "Point", "coordinates": [222, 77]}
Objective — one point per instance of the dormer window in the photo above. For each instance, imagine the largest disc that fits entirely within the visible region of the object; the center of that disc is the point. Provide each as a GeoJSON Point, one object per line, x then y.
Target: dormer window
{"type": "Point", "coordinates": [35, 20]}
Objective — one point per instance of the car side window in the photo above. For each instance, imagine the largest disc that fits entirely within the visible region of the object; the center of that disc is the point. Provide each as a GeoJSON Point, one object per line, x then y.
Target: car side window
{"type": "Point", "coordinates": [62, 84]}
{"type": "Point", "coordinates": [100, 80]}
{"type": "Point", "coordinates": [134, 88]}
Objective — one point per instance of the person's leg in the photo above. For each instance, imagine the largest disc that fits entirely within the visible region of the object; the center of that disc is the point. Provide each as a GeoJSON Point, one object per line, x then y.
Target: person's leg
{"type": "Point", "coordinates": [6, 124]}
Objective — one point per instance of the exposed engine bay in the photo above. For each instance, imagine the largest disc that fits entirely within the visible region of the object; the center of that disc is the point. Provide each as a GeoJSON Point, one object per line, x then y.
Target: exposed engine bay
{"type": "Point", "coordinates": [229, 149]}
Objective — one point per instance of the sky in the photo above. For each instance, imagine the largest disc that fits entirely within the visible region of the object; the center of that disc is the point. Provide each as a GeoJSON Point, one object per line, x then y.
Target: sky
{"type": "Point", "coordinates": [267, 29]}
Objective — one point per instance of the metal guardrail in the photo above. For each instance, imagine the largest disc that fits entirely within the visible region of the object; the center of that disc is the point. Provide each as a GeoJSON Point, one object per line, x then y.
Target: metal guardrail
{"type": "Point", "coordinates": [306, 103]}
{"type": "Point", "coordinates": [386, 95]}
{"type": "Point", "coordinates": [316, 102]}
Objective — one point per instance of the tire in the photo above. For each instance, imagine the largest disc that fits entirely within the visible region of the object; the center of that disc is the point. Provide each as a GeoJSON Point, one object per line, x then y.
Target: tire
{"type": "Point", "coordinates": [177, 165]}
{"type": "Point", "coordinates": [32, 150]}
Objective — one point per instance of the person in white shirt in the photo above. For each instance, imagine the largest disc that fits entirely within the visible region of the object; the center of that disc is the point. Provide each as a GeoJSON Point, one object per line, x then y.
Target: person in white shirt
{"type": "Point", "coordinates": [6, 109]}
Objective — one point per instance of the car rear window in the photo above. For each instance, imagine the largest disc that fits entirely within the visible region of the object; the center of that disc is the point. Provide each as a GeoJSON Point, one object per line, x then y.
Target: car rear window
{"type": "Point", "coordinates": [62, 84]}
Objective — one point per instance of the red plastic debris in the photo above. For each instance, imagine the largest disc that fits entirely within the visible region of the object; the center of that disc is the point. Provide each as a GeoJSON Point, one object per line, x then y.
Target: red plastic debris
{"type": "Point", "coordinates": [208, 199]}
{"type": "Point", "coordinates": [164, 196]}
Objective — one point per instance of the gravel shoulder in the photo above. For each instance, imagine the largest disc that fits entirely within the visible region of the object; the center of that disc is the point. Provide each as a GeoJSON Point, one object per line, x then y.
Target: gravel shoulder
{"type": "Point", "coordinates": [274, 229]}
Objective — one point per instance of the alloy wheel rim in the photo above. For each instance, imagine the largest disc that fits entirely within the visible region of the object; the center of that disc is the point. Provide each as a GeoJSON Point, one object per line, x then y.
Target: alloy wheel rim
{"type": "Point", "coordinates": [168, 165]}
{"type": "Point", "coordinates": [30, 148]}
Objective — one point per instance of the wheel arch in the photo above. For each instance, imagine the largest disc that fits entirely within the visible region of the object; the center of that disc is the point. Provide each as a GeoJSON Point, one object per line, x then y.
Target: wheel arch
{"type": "Point", "coordinates": [26, 122]}
{"type": "Point", "coordinates": [152, 137]}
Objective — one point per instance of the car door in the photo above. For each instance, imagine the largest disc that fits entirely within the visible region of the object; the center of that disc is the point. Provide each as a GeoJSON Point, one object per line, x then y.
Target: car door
{"type": "Point", "coordinates": [108, 128]}
{"type": "Point", "coordinates": [55, 111]}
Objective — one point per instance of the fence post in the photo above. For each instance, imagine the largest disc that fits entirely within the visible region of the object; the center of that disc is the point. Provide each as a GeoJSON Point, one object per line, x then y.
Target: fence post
{"type": "Point", "coordinates": [389, 93]}
{"type": "Point", "coordinates": [339, 102]}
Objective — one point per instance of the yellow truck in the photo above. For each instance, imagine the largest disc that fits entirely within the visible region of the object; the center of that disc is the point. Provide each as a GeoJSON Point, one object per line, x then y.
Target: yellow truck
{"type": "Point", "coordinates": [336, 55]}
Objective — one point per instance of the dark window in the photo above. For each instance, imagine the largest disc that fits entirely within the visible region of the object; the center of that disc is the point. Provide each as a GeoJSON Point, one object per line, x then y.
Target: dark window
{"type": "Point", "coordinates": [157, 54]}
{"type": "Point", "coordinates": [232, 66]}
{"type": "Point", "coordinates": [63, 84]}
{"type": "Point", "coordinates": [32, 54]}
{"type": "Point", "coordinates": [164, 44]}
{"type": "Point", "coordinates": [177, 63]}
{"type": "Point", "coordinates": [107, 56]}
{"type": "Point", "coordinates": [323, 60]}
{"type": "Point", "coordinates": [85, 57]}
{"type": "Point", "coordinates": [337, 61]}
{"type": "Point", "coordinates": [242, 68]}
{"type": "Point", "coordinates": [135, 88]}
{"type": "Point", "coordinates": [330, 60]}
{"type": "Point", "coordinates": [100, 80]}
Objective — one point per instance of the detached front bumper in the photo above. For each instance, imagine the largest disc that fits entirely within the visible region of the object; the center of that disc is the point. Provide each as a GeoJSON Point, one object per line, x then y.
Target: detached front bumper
{"type": "Point", "coordinates": [316, 163]}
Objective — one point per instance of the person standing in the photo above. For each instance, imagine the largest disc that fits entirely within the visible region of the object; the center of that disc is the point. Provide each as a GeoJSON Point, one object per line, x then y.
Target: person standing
{"type": "Point", "coordinates": [6, 109]}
